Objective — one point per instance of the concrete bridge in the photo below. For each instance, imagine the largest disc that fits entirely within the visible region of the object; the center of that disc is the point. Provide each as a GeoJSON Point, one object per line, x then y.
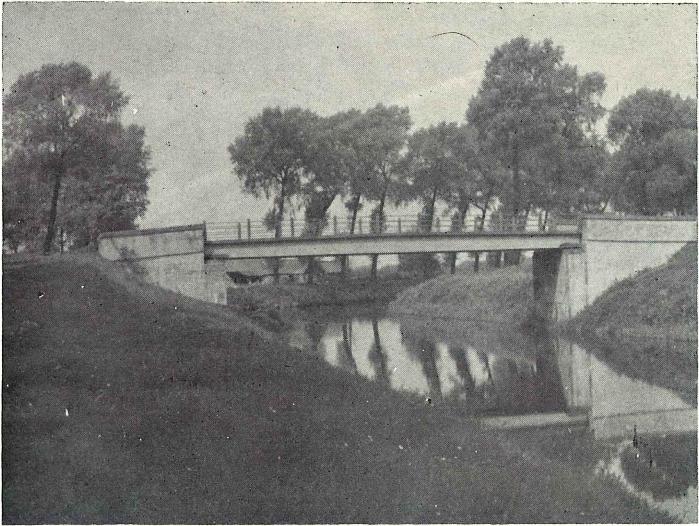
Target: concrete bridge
{"type": "Point", "coordinates": [573, 261]}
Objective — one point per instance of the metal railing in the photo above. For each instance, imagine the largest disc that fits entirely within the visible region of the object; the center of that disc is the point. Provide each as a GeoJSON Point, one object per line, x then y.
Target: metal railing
{"type": "Point", "coordinates": [389, 225]}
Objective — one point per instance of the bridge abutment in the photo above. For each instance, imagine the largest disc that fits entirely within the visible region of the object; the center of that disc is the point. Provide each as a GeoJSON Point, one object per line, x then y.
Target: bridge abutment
{"type": "Point", "coordinates": [611, 249]}
{"type": "Point", "coordinates": [172, 258]}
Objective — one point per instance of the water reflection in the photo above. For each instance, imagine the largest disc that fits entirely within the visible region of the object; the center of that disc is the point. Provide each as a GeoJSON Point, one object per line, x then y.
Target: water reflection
{"type": "Point", "coordinates": [483, 372]}
{"type": "Point", "coordinates": [486, 372]}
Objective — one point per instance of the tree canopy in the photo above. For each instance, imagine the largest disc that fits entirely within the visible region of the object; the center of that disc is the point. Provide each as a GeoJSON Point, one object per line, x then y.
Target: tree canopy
{"type": "Point", "coordinates": [654, 169]}
{"type": "Point", "coordinates": [66, 148]}
{"type": "Point", "coordinates": [535, 114]}
{"type": "Point", "coordinates": [271, 156]}
{"type": "Point", "coordinates": [440, 164]}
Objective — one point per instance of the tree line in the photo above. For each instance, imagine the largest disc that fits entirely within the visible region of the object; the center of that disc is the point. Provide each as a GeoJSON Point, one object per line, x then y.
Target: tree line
{"type": "Point", "coordinates": [530, 142]}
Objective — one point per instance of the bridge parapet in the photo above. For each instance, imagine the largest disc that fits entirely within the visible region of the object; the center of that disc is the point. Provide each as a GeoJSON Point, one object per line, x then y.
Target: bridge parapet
{"type": "Point", "coordinates": [390, 225]}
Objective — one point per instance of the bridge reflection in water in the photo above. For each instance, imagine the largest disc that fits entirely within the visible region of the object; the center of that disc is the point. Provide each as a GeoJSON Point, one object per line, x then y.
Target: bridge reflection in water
{"type": "Point", "coordinates": [507, 380]}
{"type": "Point", "coordinates": [641, 434]}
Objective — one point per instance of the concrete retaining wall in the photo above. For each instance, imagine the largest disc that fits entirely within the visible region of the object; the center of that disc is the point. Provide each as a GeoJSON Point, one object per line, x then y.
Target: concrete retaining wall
{"type": "Point", "coordinates": [619, 248]}
{"type": "Point", "coordinates": [172, 258]}
{"type": "Point", "coordinates": [614, 249]}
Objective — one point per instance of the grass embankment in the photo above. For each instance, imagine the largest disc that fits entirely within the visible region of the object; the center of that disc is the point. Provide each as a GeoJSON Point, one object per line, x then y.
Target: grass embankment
{"type": "Point", "coordinates": [503, 295]}
{"type": "Point", "coordinates": [657, 302]}
{"type": "Point", "coordinates": [124, 403]}
{"type": "Point", "coordinates": [646, 326]}
{"type": "Point", "coordinates": [327, 291]}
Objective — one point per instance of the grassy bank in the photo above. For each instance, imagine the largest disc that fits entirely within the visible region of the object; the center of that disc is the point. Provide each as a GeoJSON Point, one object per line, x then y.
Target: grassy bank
{"type": "Point", "coordinates": [658, 302]}
{"type": "Point", "coordinates": [503, 295]}
{"type": "Point", "coordinates": [645, 326]}
{"type": "Point", "coordinates": [328, 291]}
{"type": "Point", "coordinates": [124, 403]}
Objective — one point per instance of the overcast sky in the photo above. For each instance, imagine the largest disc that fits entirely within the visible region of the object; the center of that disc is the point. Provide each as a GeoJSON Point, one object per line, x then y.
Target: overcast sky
{"type": "Point", "coordinates": [197, 72]}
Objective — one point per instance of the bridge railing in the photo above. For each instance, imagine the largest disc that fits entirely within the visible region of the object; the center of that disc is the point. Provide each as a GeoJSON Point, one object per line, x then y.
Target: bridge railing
{"type": "Point", "coordinates": [388, 225]}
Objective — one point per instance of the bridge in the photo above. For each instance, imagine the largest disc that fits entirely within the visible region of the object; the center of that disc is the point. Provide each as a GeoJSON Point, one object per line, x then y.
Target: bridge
{"type": "Point", "coordinates": [575, 259]}
{"type": "Point", "coordinates": [392, 235]}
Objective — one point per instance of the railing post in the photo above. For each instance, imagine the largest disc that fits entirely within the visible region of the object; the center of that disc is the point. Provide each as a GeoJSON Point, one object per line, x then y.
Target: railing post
{"type": "Point", "coordinates": [399, 226]}
{"type": "Point", "coordinates": [240, 231]}
{"type": "Point", "coordinates": [249, 230]}
{"type": "Point", "coordinates": [437, 225]}
{"type": "Point", "coordinates": [291, 223]}
{"type": "Point", "coordinates": [360, 225]}
{"type": "Point", "coordinates": [335, 225]}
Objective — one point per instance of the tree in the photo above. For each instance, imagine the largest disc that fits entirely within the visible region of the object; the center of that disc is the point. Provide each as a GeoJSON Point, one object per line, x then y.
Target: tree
{"type": "Point", "coordinates": [110, 194]}
{"type": "Point", "coordinates": [654, 169]}
{"type": "Point", "coordinates": [329, 164]}
{"type": "Point", "coordinates": [377, 138]}
{"type": "Point", "coordinates": [379, 152]}
{"type": "Point", "coordinates": [530, 107]}
{"type": "Point", "coordinates": [270, 159]}
{"type": "Point", "coordinates": [329, 160]}
{"type": "Point", "coordinates": [440, 164]}
{"type": "Point", "coordinates": [62, 131]}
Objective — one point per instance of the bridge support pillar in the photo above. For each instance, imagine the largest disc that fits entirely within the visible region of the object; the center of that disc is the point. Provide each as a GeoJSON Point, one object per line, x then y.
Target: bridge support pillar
{"type": "Point", "coordinates": [545, 266]}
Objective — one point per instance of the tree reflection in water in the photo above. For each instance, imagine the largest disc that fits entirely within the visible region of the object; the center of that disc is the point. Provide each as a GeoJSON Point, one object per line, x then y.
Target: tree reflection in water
{"type": "Point", "coordinates": [344, 354]}
{"type": "Point", "coordinates": [377, 356]}
{"type": "Point", "coordinates": [423, 351]}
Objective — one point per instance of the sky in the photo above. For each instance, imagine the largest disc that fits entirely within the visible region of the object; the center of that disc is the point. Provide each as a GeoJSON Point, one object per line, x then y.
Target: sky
{"type": "Point", "coordinates": [196, 73]}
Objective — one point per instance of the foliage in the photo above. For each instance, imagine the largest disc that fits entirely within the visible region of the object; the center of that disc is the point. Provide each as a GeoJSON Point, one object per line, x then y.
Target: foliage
{"type": "Point", "coordinates": [64, 144]}
{"type": "Point", "coordinates": [655, 168]}
{"type": "Point", "coordinates": [270, 157]}
{"type": "Point", "coordinates": [378, 136]}
{"type": "Point", "coordinates": [330, 164]}
{"type": "Point", "coordinates": [535, 114]}
{"type": "Point", "coordinates": [440, 164]}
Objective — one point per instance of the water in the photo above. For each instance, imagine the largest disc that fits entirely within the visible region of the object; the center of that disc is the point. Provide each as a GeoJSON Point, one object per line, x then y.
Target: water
{"type": "Point", "coordinates": [492, 373]}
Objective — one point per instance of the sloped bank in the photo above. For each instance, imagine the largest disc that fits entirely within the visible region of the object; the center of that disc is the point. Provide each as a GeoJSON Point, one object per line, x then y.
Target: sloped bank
{"type": "Point", "coordinates": [326, 292]}
{"type": "Point", "coordinates": [660, 302]}
{"type": "Point", "coordinates": [646, 326]}
{"type": "Point", "coordinates": [143, 406]}
{"type": "Point", "coordinates": [502, 295]}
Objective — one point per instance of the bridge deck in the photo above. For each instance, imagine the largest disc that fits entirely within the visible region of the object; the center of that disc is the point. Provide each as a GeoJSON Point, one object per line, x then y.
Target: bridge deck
{"type": "Point", "coordinates": [412, 243]}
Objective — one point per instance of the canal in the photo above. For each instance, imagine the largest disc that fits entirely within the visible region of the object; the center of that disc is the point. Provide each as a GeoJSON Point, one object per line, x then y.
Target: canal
{"type": "Point", "coordinates": [531, 388]}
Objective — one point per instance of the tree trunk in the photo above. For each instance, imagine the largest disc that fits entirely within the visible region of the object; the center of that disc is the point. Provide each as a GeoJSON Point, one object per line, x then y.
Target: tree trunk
{"type": "Point", "coordinates": [461, 217]}
{"type": "Point", "coordinates": [278, 226]}
{"type": "Point", "coordinates": [53, 212]}
{"type": "Point", "coordinates": [379, 220]}
{"type": "Point", "coordinates": [512, 257]}
{"type": "Point", "coordinates": [316, 222]}
{"type": "Point", "coordinates": [484, 212]}
{"type": "Point", "coordinates": [355, 208]}
{"type": "Point", "coordinates": [428, 227]}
